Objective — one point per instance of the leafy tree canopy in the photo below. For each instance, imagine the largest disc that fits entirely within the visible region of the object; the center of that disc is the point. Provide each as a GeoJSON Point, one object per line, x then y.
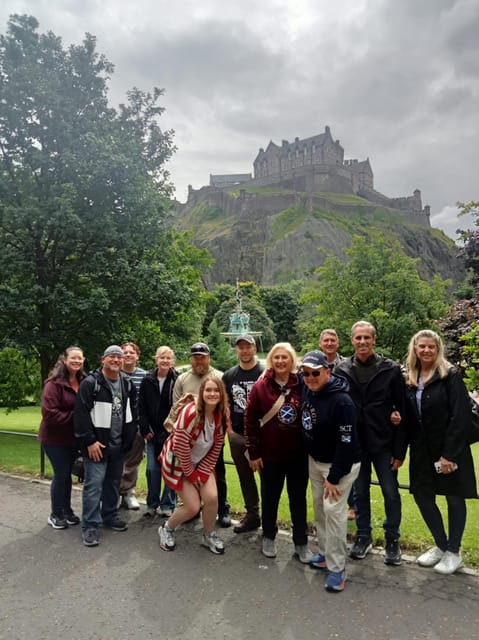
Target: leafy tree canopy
{"type": "Point", "coordinates": [84, 196]}
{"type": "Point", "coordinates": [380, 284]}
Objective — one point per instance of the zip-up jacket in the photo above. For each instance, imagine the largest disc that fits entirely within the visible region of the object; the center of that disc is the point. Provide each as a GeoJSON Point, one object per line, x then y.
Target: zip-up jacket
{"type": "Point", "coordinates": [93, 408]}
{"type": "Point", "coordinates": [154, 406]}
{"type": "Point", "coordinates": [329, 427]}
{"type": "Point", "coordinates": [375, 400]}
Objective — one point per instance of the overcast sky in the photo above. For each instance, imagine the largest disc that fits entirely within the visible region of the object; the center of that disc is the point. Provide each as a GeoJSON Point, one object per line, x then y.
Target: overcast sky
{"type": "Point", "coordinates": [396, 80]}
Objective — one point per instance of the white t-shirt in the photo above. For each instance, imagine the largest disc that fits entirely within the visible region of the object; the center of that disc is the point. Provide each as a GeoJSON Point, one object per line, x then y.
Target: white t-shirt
{"type": "Point", "coordinates": [204, 442]}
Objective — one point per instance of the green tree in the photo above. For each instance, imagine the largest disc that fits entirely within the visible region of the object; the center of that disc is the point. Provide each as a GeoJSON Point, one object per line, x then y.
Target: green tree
{"type": "Point", "coordinates": [380, 284]}
{"type": "Point", "coordinates": [460, 325]}
{"type": "Point", "coordinates": [283, 306]}
{"type": "Point", "coordinates": [222, 355]}
{"type": "Point", "coordinates": [84, 198]}
{"type": "Point", "coordinates": [15, 382]}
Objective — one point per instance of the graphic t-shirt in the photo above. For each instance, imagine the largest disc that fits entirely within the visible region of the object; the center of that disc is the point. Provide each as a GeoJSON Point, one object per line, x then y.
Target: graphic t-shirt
{"type": "Point", "coordinates": [238, 383]}
{"type": "Point", "coordinates": [116, 414]}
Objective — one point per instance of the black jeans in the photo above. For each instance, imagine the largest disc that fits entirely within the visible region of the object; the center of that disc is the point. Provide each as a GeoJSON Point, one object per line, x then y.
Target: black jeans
{"type": "Point", "coordinates": [456, 515]}
{"type": "Point", "coordinates": [273, 476]}
{"type": "Point", "coordinates": [62, 459]}
{"type": "Point", "coordinates": [246, 477]}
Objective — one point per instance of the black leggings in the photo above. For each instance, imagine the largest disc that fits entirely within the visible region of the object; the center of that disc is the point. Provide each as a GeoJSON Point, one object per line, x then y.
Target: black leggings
{"type": "Point", "coordinates": [456, 514]}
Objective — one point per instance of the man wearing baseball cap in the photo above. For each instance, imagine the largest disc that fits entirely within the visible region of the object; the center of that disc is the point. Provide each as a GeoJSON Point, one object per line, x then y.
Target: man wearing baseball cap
{"type": "Point", "coordinates": [105, 419]}
{"type": "Point", "coordinates": [238, 382]}
{"type": "Point", "coordinates": [330, 438]}
{"type": "Point", "coordinates": [190, 382]}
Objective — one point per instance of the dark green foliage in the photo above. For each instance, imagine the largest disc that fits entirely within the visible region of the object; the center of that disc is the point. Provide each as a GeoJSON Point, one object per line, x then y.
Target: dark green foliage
{"type": "Point", "coordinates": [18, 378]}
{"type": "Point", "coordinates": [379, 284]}
{"type": "Point", "coordinates": [222, 355]}
{"type": "Point", "coordinates": [282, 304]}
{"type": "Point", "coordinates": [85, 255]}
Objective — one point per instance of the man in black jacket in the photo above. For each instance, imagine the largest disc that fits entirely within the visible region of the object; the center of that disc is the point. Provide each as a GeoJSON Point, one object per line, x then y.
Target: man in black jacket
{"type": "Point", "coordinates": [378, 391]}
{"type": "Point", "coordinates": [105, 423]}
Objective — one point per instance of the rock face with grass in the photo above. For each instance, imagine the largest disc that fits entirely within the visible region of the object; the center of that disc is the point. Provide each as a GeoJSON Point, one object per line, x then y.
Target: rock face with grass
{"type": "Point", "coordinates": [273, 235]}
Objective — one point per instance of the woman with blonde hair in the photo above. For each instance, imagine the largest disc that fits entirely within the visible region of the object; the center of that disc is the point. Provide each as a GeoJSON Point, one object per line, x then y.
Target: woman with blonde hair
{"type": "Point", "coordinates": [155, 401]}
{"type": "Point", "coordinates": [275, 448]}
{"type": "Point", "coordinates": [188, 461]}
{"type": "Point", "coordinates": [439, 415]}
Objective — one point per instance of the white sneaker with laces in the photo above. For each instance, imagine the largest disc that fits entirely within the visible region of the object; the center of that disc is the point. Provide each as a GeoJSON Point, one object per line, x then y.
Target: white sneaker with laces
{"type": "Point", "coordinates": [167, 538]}
{"type": "Point", "coordinates": [268, 548]}
{"type": "Point", "coordinates": [303, 554]}
{"type": "Point", "coordinates": [213, 543]}
{"type": "Point", "coordinates": [430, 557]}
{"type": "Point", "coordinates": [131, 502]}
{"type": "Point", "coordinates": [449, 563]}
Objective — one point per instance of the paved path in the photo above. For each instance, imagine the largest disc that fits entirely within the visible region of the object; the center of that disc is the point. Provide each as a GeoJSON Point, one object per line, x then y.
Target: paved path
{"type": "Point", "coordinates": [51, 586]}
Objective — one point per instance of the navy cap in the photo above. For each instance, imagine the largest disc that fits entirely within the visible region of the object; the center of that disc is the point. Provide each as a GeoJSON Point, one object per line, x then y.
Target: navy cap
{"type": "Point", "coordinates": [315, 360]}
{"type": "Point", "coordinates": [200, 349]}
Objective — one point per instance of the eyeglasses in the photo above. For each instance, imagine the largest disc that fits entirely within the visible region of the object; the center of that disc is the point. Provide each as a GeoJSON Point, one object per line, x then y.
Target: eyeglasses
{"type": "Point", "coordinates": [315, 374]}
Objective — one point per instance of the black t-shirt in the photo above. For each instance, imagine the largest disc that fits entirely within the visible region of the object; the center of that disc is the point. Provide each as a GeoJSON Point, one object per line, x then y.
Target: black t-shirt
{"type": "Point", "coordinates": [238, 383]}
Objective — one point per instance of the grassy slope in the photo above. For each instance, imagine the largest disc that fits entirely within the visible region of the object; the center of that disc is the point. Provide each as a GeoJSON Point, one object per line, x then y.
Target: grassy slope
{"type": "Point", "coordinates": [22, 455]}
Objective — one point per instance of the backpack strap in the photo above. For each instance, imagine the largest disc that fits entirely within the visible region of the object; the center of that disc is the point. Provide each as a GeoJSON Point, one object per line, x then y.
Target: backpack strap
{"type": "Point", "coordinates": [275, 408]}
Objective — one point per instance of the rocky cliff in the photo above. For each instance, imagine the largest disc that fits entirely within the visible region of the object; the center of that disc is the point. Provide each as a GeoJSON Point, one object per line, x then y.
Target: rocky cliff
{"type": "Point", "coordinates": [272, 236]}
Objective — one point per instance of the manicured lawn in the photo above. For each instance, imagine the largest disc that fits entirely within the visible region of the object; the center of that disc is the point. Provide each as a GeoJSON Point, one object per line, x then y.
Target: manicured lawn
{"type": "Point", "coordinates": [20, 454]}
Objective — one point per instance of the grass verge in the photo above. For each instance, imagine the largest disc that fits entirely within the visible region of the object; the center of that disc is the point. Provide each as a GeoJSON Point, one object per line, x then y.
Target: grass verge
{"type": "Point", "coordinates": [21, 455]}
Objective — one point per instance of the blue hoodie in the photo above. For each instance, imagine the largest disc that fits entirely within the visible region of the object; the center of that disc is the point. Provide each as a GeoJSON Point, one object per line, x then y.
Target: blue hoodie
{"type": "Point", "coordinates": [329, 427]}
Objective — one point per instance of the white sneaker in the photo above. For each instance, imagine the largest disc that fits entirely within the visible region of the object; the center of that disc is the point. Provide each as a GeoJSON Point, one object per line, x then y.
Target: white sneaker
{"type": "Point", "coordinates": [131, 502]}
{"type": "Point", "coordinates": [213, 543]}
{"type": "Point", "coordinates": [449, 563]}
{"type": "Point", "coordinates": [167, 538]}
{"type": "Point", "coordinates": [268, 548]}
{"type": "Point", "coordinates": [303, 554]}
{"type": "Point", "coordinates": [430, 557]}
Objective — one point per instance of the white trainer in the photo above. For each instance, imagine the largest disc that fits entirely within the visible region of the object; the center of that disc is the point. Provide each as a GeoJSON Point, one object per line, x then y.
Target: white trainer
{"type": "Point", "coordinates": [131, 502]}
{"type": "Point", "coordinates": [449, 563]}
{"type": "Point", "coordinates": [213, 543]}
{"type": "Point", "coordinates": [268, 548]}
{"type": "Point", "coordinates": [303, 554]}
{"type": "Point", "coordinates": [430, 557]}
{"type": "Point", "coordinates": [167, 538]}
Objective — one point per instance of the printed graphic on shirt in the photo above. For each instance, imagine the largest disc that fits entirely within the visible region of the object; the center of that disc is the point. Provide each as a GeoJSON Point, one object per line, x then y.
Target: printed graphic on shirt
{"type": "Point", "coordinates": [240, 392]}
{"type": "Point", "coordinates": [345, 431]}
{"type": "Point", "coordinates": [116, 408]}
{"type": "Point", "coordinates": [308, 418]}
{"type": "Point", "coordinates": [287, 414]}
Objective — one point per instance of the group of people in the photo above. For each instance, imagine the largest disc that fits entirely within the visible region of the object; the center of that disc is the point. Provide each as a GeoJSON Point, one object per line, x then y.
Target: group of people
{"type": "Point", "coordinates": [327, 420]}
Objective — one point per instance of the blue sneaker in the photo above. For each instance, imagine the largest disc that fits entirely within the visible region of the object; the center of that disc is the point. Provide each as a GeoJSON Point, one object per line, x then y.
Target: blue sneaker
{"type": "Point", "coordinates": [335, 581]}
{"type": "Point", "coordinates": [318, 561]}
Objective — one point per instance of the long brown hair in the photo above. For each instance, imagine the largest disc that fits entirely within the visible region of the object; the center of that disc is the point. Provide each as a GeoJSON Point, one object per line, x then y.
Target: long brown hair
{"type": "Point", "coordinates": [221, 408]}
{"type": "Point", "coordinates": [60, 369]}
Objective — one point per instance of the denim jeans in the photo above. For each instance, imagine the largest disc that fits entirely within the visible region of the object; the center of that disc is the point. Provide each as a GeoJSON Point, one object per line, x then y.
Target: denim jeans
{"type": "Point", "coordinates": [101, 490]}
{"type": "Point", "coordinates": [273, 476]}
{"type": "Point", "coordinates": [62, 459]}
{"type": "Point", "coordinates": [153, 479]}
{"type": "Point", "coordinates": [220, 471]}
{"type": "Point", "coordinates": [389, 486]}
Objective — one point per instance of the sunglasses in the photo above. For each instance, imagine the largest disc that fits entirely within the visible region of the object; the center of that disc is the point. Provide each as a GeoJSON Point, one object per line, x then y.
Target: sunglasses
{"type": "Point", "coordinates": [315, 374]}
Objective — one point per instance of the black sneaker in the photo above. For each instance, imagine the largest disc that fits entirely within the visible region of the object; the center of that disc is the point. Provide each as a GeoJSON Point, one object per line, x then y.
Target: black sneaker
{"type": "Point", "coordinates": [224, 520]}
{"type": "Point", "coordinates": [71, 518]}
{"type": "Point", "coordinates": [117, 524]}
{"type": "Point", "coordinates": [361, 547]}
{"type": "Point", "coordinates": [90, 537]}
{"type": "Point", "coordinates": [57, 522]}
{"type": "Point", "coordinates": [392, 555]}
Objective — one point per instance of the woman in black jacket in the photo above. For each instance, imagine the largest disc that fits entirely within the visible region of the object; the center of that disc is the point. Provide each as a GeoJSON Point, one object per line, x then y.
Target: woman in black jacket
{"type": "Point", "coordinates": [439, 417]}
{"type": "Point", "coordinates": [156, 398]}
